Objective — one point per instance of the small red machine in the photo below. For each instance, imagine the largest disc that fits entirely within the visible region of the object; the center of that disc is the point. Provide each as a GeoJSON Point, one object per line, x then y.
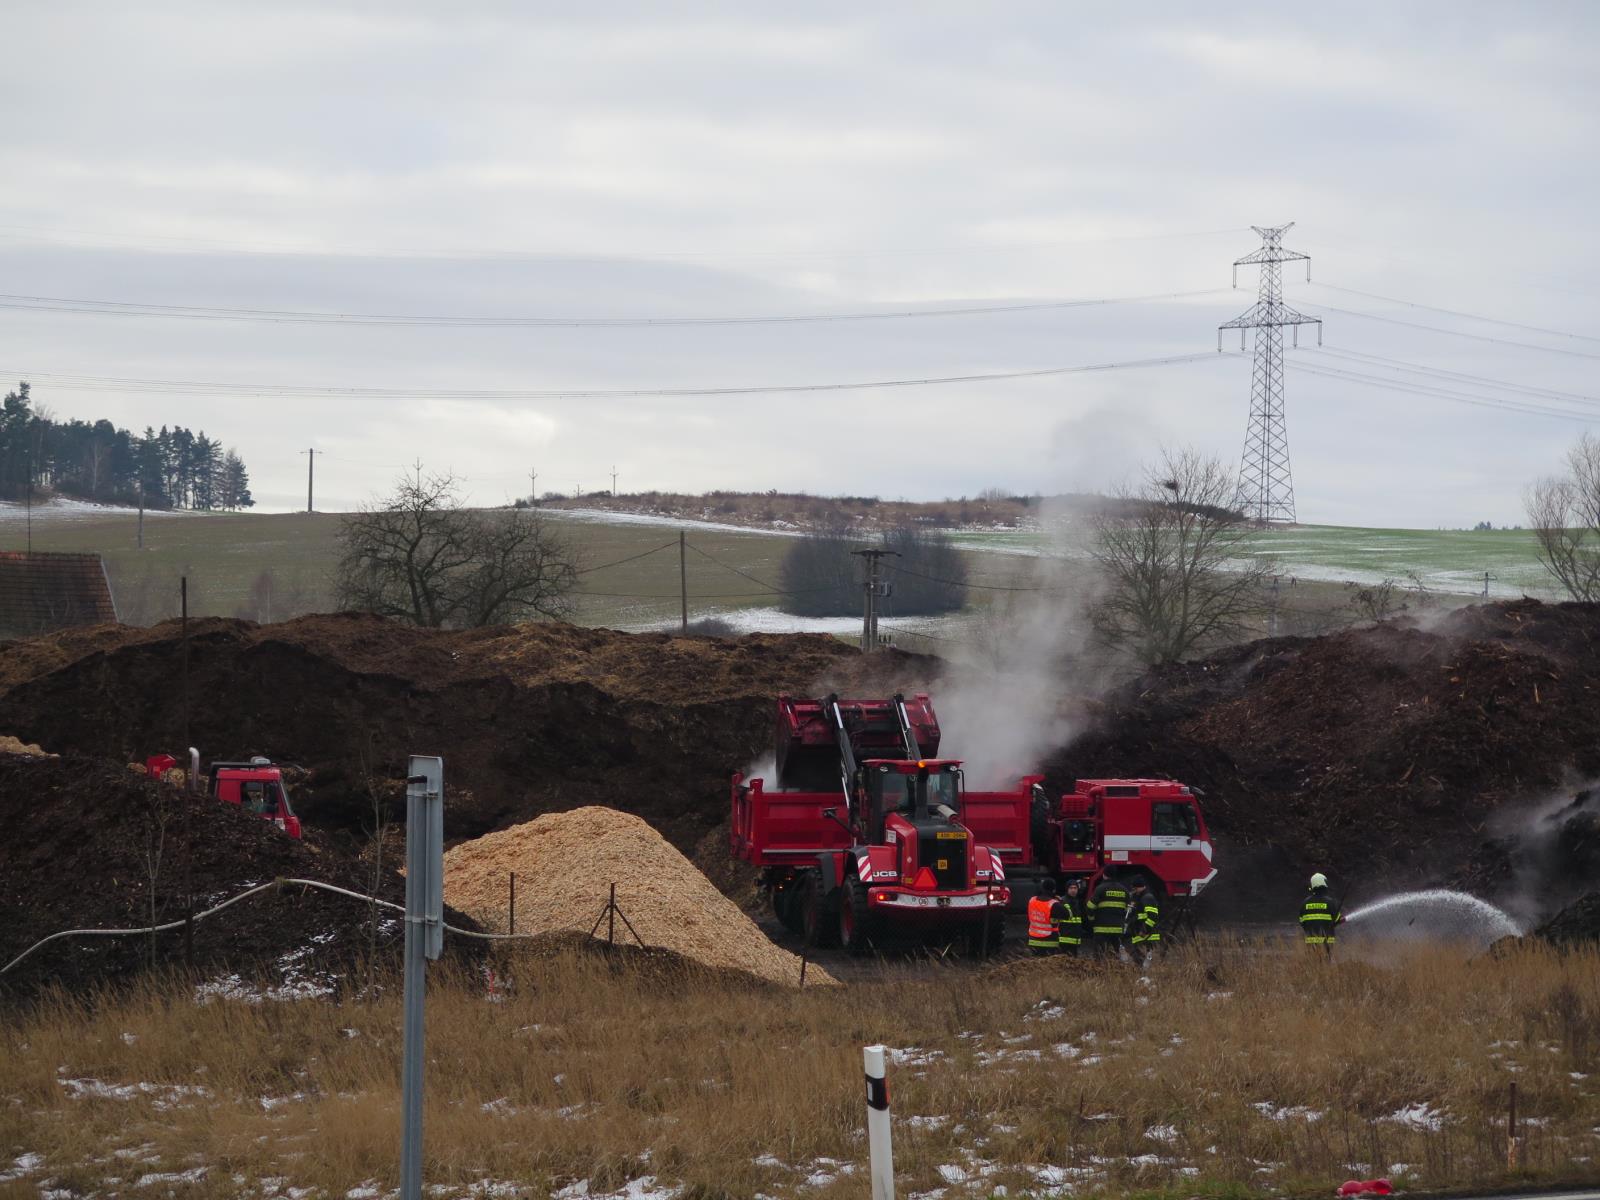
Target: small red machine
{"type": "Point", "coordinates": [256, 786]}
{"type": "Point", "coordinates": [862, 838]}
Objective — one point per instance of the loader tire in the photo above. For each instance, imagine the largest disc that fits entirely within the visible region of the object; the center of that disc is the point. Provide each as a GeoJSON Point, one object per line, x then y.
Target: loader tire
{"type": "Point", "coordinates": [854, 917]}
{"type": "Point", "coordinates": [786, 901]}
{"type": "Point", "coordinates": [818, 924]}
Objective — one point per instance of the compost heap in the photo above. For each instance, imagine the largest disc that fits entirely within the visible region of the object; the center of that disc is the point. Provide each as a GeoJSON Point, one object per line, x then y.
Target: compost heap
{"type": "Point", "coordinates": [530, 718]}
{"type": "Point", "coordinates": [83, 837]}
{"type": "Point", "coordinates": [1377, 753]}
{"type": "Point", "coordinates": [565, 864]}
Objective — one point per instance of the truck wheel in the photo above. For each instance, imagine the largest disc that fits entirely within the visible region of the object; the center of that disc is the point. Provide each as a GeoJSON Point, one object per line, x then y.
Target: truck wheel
{"type": "Point", "coordinates": [786, 899]}
{"type": "Point", "coordinates": [815, 912]}
{"type": "Point", "coordinates": [997, 936]}
{"type": "Point", "coordinates": [853, 916]}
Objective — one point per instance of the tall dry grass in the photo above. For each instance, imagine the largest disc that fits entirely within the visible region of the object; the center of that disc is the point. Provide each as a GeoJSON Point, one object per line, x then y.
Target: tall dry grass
{"type": "Point", "coordinates": [1202, 1080]}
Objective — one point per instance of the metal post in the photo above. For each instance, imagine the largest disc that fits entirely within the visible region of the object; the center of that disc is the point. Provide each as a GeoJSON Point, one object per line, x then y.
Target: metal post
{"type": "Point", "coordinates": [511, 906]}
{"type": "Point", "coordinates": [311, 471]}
{"type": "Point", "coordinates": [1511, 1130]}
{"type": "Point", "coordinates": [878, 1145]}
{"type": "Point", "coordinates": [183, 617]}
{"type": "Point", "coordinates": [424, 940]}
{"type": "Point", "coordinates": [30, 500]}
{"type": "Point", "coordinates": [533, 485]}
{"type": "Point", "coordinates": [683, 578]}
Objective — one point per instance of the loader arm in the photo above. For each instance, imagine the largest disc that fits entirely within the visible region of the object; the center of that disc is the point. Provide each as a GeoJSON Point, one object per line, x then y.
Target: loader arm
{"type": "Point", "coordinates": [907, 734]}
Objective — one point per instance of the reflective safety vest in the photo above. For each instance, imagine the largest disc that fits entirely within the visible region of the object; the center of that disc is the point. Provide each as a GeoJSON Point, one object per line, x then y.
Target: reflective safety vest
{"type": "Point", "coordinates": [1071, 923]}
{"type": "Point", "coordinates": [1146, 921]}
{"type": "Point", "coordinates": [1041, 926]}
{"type": "Point", "coordinates": [1108, 911]}
{"type": "Point", "coordinates": [1317, 920]}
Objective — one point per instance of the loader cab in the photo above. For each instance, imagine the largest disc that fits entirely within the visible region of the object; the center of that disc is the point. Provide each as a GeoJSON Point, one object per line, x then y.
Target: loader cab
{"type": "Point", "coordinates": [257, 787]}
{"type": "Point", "coordinates": [913, 790]}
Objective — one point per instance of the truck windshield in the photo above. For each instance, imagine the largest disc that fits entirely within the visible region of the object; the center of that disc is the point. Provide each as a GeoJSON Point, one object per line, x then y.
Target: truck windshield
{"type": "Point", "coordinates": [260, 797]}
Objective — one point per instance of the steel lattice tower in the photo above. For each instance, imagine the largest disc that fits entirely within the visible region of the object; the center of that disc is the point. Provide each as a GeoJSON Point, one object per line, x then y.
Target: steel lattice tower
{"type": "Point", "coordinates": [1266, 490]}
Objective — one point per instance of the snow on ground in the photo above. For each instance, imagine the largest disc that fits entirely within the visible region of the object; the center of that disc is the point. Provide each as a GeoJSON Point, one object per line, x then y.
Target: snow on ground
{"type": "Point", "coordinates": [605, 516]}
{"type": "Point", "coordinates": [773, 620]}
{"type": "Point", "coordinates": [62, 509]}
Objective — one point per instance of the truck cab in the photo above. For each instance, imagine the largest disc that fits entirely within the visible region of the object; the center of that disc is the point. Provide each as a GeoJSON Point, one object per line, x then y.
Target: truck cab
{"type": "Point", "coordinates": [257, 787]}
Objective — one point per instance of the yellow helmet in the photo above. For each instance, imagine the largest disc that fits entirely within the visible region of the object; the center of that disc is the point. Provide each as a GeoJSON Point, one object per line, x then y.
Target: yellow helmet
{"type": "Point", "coordinates": [1319, 880]}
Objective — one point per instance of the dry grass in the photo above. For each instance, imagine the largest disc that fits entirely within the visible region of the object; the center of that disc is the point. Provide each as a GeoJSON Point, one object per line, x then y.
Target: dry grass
{"type": "Point", "coordinates": [588, 1071]}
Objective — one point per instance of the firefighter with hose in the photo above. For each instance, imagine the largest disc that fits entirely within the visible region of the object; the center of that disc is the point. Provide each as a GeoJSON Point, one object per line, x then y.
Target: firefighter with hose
{"type": "Point", "coordinates": [1144, 919]}
{"type": "Point", "coordinates": [1072, 922]}
{"type": "Point", "coordinates": [1108, 917]}
{"type": "Point", "coordinates": [1320, 916]}
{"type": "Point", "coordinates": [1044, 920]}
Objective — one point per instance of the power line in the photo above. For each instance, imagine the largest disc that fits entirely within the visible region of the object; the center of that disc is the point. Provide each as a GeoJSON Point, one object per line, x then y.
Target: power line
{"type": "Point", "coordinates": [1451, 312]}
{"type": "Point", "coordinates": [632, 557]}
{"type": "Point", "coordinates": [987, 587]}
{"type": "Point", "coordinates": [1420, 389]}
{"type": "Point", "coordinates": [198, 312]}
{"type": "Point", "coordinates": [1457, 376]}
{"type": "Point", "coordinates": [1461, 333]}
{"type": "Point", "coordinates": [68, 382]}
{"type": "Point", "coordinates": [189, 245]}
{"type": "Point", "coordinates": [744, 574]}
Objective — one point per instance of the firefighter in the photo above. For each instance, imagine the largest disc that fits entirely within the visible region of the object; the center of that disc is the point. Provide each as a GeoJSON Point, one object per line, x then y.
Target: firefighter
{"type": "Point", "coordinates": [1044, 919]}
{"type": "Point", "coordinates": [1108, 917]}
{"type": "Point", "coordinates": [1319, 916]}
{"type": "Point", "coordinates": [1144, 917]}
{"type": "Point", "coordinates": [1072, 911]}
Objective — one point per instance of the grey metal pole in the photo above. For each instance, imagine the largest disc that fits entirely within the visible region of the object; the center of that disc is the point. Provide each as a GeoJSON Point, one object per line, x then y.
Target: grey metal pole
{"type": "Point", "coordinates": [683, 579]}
{"type": "Point", "coordinates": [424, 939]}
{"type": "Point", "coordinates": [311, 472]}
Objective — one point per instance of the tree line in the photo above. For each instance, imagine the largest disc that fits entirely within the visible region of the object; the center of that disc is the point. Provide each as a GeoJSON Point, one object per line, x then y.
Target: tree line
{"type": "Point", "coordinates": [94, 460]}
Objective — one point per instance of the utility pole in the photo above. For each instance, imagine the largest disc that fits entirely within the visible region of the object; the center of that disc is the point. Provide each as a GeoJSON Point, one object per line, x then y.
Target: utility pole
{"type": "Point", "coordinates": [613, 479]}
{"type": "Point", "coordinates": [1486, 578]}
{"type": "Point", "coordinates": [683, 578]}
{"type": "Point", "coordinates": [311, 464]}
{"type": "Point", "coordinates": [30, 500]}
{"type": "Point", "coordinates": [872, 590]}
{"type": "Point", "coordinates": [141, 510]}
{"type": "Point", "coordinates": [533, 487]}
{"type": "Point", "coordinates": [1266, 491]}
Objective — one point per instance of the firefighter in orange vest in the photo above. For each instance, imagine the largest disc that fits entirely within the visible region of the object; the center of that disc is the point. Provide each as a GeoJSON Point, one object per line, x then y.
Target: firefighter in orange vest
{"type": "Point", "coordinates": [1044, 920]}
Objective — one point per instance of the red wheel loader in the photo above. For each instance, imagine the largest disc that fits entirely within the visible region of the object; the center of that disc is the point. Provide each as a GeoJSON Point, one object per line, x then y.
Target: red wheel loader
{"type": "Point", "coordinates": [861, 842]}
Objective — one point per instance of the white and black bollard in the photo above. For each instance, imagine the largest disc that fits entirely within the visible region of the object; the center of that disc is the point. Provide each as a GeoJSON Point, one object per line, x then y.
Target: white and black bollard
{"type": "Point", "coordinates": [878, 1146]}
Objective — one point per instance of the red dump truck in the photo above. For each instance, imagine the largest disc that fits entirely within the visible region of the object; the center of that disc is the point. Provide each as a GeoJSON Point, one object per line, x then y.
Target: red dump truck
{"type": "Point", "coordinates": [868, 833]}
{"type": "Point", "coordinates": [256, 786]}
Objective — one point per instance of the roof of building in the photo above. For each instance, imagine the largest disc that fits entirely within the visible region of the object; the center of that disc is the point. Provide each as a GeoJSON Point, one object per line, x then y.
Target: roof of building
{"type": "Point", "coordinates": [42, 590]}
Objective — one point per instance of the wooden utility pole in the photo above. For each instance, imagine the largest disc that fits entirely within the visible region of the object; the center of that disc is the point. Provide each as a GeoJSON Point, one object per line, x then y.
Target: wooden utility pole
{"type": "Point", "coordinates": [311, 465]}
{"type": "Point", "coordinates": [533, 487]}
{"type": "Point", "coordinates": [683, 577]}
{"type": "Point", "coordinates": [613, 479]}
{"type": "Point", "coordinates": [141, 511]}
{"type": "Point", "coordinates": [872, 590]}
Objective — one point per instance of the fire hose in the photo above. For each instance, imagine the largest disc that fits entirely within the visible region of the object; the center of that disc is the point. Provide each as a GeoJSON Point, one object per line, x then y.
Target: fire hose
{"type": "Point", "coordinates": [245, 895]}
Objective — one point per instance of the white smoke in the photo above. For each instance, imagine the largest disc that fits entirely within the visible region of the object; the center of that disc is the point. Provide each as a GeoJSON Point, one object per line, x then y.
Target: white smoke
{"type": "Point", "coordinates": [1014, 690]}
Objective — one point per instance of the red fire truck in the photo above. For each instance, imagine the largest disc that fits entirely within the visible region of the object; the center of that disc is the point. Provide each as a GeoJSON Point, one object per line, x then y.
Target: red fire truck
{"type": "Point", "coordinates": [256, 786]}
{"type": "Point", "coordinates": [916, 849]}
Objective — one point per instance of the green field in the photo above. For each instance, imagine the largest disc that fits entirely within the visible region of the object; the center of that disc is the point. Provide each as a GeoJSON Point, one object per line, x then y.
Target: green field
{"type": "Point", "coordinates": [273, 566]}
{"type": "Point", "coordinates": [1450, 561]}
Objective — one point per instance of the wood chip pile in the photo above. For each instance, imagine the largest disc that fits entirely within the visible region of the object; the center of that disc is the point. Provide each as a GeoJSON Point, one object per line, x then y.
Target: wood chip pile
{"type": "Point", "coordinates": [565, 864]}
{"type": "Point", "coordinates": [10, 745]}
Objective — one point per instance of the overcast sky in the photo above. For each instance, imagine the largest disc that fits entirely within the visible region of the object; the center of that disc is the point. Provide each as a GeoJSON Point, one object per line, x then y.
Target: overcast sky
{"type": "Point", "coordinates": [543, 160]}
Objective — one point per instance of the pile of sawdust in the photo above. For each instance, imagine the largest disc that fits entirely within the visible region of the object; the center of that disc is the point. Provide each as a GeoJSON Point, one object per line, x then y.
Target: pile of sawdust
{"type": "Point", "coordinates": [10, 745]}
{"type": "Point", "coordinates": [565, 864]}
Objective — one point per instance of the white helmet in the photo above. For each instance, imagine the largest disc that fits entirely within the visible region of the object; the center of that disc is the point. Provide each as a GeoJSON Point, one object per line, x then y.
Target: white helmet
{"type": "Point", "coordinates": [1319, 880]}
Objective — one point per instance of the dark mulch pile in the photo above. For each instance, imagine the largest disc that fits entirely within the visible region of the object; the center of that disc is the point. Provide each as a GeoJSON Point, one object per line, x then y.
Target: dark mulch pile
{"type": "Point", "coordinates": [82, 836]}
{"type": "Point", "coordinates": [1372, 753]}
{"type": "Point", "coordinates": [1577, 923]}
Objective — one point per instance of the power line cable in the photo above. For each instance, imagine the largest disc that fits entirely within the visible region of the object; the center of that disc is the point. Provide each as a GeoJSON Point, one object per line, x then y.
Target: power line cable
{"type": "Point", "coordinates": [188, 312]}
{"type": "Point", "coordinates": [736, 570]}
{"type": "Point", "coordinates": [1420, 389]}
{"type": "Point", "coordinates": [987, 587]}
{"type": "Point", "coordinates": [1457, 376]}
{"type": "Point", "coordinates": [1461, 333]}
{"type": "Point", "coordinates": [631, 558]}
{"type": "Point", "coordinates": [72, 382]}
{"type": "Point", "coordinates": [1451, 312]}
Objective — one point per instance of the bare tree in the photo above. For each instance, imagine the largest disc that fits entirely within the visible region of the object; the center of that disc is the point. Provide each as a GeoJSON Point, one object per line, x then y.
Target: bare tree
{"type": "Point", "coordinates": [1179, 571]}
{"type": "Point", "coordinates": [417, 555]}
{"type": "Point", "coordinates": [1564, 511]}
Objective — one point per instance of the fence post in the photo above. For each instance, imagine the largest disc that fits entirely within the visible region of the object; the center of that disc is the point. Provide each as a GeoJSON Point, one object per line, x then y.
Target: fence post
{"type": "Point", "coordinates": [1511, 1130]}
{"type": "Point", "coordinates": [511, 907]}
{"type": "Point", "coordinates": [878, 1146]}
